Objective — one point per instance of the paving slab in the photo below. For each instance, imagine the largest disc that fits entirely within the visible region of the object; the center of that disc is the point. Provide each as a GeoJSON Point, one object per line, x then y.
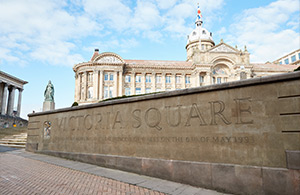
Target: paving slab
{"type": "Point", "coordinates": [138, 183]}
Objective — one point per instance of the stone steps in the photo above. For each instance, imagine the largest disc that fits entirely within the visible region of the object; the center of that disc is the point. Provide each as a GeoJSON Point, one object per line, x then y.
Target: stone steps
{"type": "Point", "coordinates": [14, 141]}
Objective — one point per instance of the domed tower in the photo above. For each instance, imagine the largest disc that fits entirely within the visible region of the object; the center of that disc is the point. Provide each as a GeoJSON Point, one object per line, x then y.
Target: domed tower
{"type": "Point", "coordinates": [199, 40]}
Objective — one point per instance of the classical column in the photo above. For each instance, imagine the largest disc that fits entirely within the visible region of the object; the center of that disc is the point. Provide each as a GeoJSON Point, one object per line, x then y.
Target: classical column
{"type": "Point", "coordinates": [77, 86]}
{"type": "Point", "coordinates": [115, 92]}
{"type": "Point", "coordinates": [95, 84]}
{"type": "Point", "coordinates": [11, 99]}
{"type": "Point", "coordinates": [85, 83]}
{"type": "Point", "coordinates": [163, 87]}
{"type": "Point", "coordinates": [120, 83]}
{"type": "Point", "coordinates": [4, 99]}
{"type": "Point", "coordinates": [143, 83]}
{"type": "Point", "coordinates": [19, 102]}
{"type": "Point", "coordinates": [101, 85]}
{"type": "Point", "coordinates": [132, 84]}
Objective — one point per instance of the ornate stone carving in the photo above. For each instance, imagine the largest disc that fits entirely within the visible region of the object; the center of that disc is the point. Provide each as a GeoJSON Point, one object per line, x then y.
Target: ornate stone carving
{"type": "Point", "coordinates": [223, 48]}
{"type": "Point", "coordinates": [109, 59]}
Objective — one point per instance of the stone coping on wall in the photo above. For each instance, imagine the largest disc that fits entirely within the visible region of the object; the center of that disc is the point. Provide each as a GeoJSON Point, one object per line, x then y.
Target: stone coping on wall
{"type": "Point", "coordinates": [202, 89]}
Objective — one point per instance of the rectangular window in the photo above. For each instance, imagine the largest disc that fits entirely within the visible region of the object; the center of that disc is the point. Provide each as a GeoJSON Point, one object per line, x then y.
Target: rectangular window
{"type": "Point", "coordinates": [148, 78]}
{"type": "Point", "coordinates": [127, 91]}
{"type": "Point", "coordinates": [293, 58]}
{"type": "Point", "coordinates": [138, 91]}
{"type": "Point", "coordinates": [90, 77]}
{"type": "Point", "coordinates": [106, 76]}
{"type": "Point", "coordinates": [214, 80]}
{"type": "Point", "coordinates": [286, 61]}
{"type": "Point", "coordinates": [111, 92]}
{"type": "Point", "coordinates": [280, 62]}
{"type": "Point", "coordinates": [219, 80]}
{"type": "Point", "coordinates": [168, 79]}
{"type": "Point", "coordinates": [90, 93]}
{"type": "Point", "coordinates": [148, 90]}
{"type": "Point", "coordinates": [138, 78]}
{"type": "Point", "coordinates": [127, 78]}
{"type": "Point", "coordinates": [201, 79]}
{"type": "Point", "coordinates": [187, 79]}
{"type": "Point", "coordinates": [177, 79]}
{"type": "Point", "coordinates": [158, 78]}
{"type": "Point", "coordinates": [105, 92]}
{"type": "Point", "coordinates": [111, 77]}
{"type": "Point", "coordinates": [298, 56]}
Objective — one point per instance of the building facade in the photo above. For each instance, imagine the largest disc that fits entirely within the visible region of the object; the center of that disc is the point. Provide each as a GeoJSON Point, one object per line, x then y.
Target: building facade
{"type": "Point", "coordinates": [8, 86]}
{"type": "Point", "coordinates": [292, 58]}
{"type": "Point", "coordinates": [108, 75]}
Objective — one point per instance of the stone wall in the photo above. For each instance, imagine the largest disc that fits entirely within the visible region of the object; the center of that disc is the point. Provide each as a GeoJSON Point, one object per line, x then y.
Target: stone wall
{"type": "Point", "coordinates": [240, 137]}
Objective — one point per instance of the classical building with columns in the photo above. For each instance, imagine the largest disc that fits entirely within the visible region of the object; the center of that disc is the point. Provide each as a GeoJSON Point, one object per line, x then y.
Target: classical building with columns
{"type": "Point", "coordinates": [108, 75]}
{"type": "Point", "coordinates": [8, 87]}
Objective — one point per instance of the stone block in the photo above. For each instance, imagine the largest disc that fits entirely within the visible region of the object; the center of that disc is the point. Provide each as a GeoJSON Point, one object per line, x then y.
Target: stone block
{"type": "Point", "coordinates": [47, 105]}
{"type": "Point", "coordinates": [293, 159]}
{"type": "Point", "coordinates": [157, 168]}
{"type": "Point", "coordinates": [131, 164]}
{"type": "Point", "coordinates": [281, 181]}
{"type": "Point", "coordinates": [193, 173]}
{"type": "Point", "coordinates": [32, 147]}
{"type": "Point", "coordinates": [237, 179]}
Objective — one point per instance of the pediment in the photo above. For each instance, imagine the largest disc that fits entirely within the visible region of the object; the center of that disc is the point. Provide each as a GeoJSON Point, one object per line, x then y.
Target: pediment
{"type": "Point", "coordinates": [224, 49]}
{"type": "Point", "coordinates": [108, 58]}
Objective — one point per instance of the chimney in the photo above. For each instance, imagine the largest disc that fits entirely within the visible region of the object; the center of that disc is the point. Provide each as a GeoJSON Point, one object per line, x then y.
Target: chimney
{"type": "Point", "coordinates": [96, 53]}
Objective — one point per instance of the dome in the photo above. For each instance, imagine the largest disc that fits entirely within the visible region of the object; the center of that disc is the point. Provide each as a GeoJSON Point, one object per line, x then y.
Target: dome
{"type": "Point", "coordinates": [200, 33]}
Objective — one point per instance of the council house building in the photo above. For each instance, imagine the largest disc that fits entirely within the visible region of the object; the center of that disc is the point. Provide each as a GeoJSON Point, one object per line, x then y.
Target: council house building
{"type": "Point", "coordinates": [108, 75]}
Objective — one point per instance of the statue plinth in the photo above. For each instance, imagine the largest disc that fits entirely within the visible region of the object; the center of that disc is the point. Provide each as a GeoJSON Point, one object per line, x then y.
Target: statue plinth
{"type": "Point", "coordinates": [48, 105]}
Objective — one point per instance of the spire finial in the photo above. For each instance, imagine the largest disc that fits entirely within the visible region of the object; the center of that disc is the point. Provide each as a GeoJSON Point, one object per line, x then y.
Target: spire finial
{"type": "Point", "coordinates": [199, 17]}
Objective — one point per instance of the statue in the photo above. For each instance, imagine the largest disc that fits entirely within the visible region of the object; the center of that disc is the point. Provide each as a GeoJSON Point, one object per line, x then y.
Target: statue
{"type": "Point", "coordinates": [49, 98]}
{"type": "Point", "coordinates": [49, 92]}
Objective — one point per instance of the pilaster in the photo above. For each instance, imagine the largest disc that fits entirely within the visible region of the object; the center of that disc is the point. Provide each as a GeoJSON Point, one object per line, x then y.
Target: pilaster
{"type": "Point", "coordinates": [173, 81]}
{"type": "Point", "coordinates": [101, 85]}
{"type": "Point", "coordinates": [143, 83]}
{"type": "Point", "coordinates": [115, 92]}
{"type": "Point", "coordinates": [132, 84]}
{"type": "Point", "coordinates": [163, 82]}
{"type": "Point", "coordinates": [120, 83]}
{"type": "Point", "coordinates": [183, 80]}
{"type": "Point", "coordinates": [153, 82]}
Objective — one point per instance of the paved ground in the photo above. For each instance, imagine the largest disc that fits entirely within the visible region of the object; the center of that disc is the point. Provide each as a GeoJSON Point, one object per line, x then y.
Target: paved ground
{"type": "Point", "coordinates": [29, 173]}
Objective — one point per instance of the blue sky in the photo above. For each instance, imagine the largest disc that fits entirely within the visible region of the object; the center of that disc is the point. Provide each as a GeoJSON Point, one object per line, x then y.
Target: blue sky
{"type": "Point", "coordinates": [42, 40]}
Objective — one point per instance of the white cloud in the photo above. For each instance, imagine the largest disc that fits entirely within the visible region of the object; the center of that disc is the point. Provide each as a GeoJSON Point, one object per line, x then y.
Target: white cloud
{"type": "Point", "coordinates": [113, 13]}
{"type": "Point", "coordinates": [52, 31]}
{"type": "Point", "coordinates": [146, 16]}
{"type": "Point", "coordinates": [33, 27]}
{"type": "Point", "coordinates": [165, 4]}
{"type": "Point", "coordinates": [265, 32]}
